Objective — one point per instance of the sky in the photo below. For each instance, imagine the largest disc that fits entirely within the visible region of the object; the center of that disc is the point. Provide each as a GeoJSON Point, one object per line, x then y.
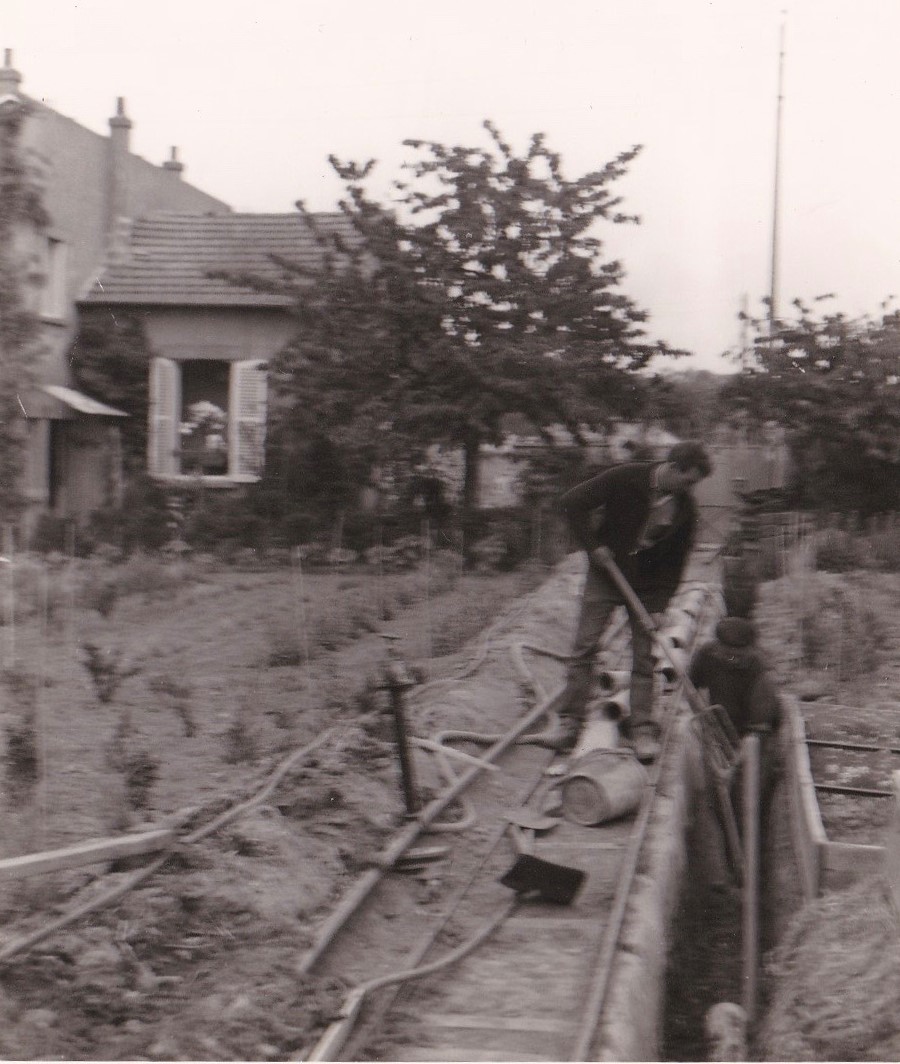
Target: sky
{"type": "Point", "coordinates": [256, 96]}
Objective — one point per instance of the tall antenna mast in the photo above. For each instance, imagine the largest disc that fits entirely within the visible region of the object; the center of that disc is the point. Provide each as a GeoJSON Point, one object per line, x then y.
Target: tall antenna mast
{"type": "Point", "coordinates": [773, 284]}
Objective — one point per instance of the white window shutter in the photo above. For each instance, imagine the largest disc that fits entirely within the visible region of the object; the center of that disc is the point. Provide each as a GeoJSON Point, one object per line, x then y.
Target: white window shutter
{"type": "Point", "coordinates": [165, 408]}
{"type": "Point", "coordinates": [247, 419]}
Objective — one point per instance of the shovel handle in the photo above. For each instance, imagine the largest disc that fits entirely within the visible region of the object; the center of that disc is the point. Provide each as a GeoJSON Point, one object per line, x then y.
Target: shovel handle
{"type": "Point", "coordinates": [602, 556]}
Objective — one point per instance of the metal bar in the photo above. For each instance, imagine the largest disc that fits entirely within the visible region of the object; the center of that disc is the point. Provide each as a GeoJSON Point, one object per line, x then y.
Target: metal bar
{"type": "Point", "coordinates": [402, 842]}
{"type": "Point", "coordinates": [862, 792]}
{"type": "Point", "coordinates": [407, 769]}
{"type": "Point", "coordinates": [836, 745]}
{"type": "Point", "coordinates": [750, 806]}
{"type": "Point", "coordinates": [86, 853]}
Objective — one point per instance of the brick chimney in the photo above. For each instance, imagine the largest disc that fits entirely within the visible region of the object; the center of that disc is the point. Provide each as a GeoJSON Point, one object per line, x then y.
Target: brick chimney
{"type": "Point", "coordinates": [117, 197]}
{"type": "Point", "coordinates": [173, 165]}
{"type": "Point", "coordinates": [10, 79]}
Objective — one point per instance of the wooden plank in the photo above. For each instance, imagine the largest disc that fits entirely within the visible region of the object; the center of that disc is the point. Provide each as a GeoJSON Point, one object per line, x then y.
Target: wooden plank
{"type": "Point", "coordinates": [750, 909]}
{"type": "Point", "coordinates": [583, 846]}
{"type": "Point", "coordinates": [85, 853]}
{"type": "Point", "coordinates": [806, 823]}
{"type": "Point", "coordinates": [445, 1054]}
{"type": "Point", "coordinates": [892, 847]}
{"type": "Point", "coordinates": [852, 857]}
{"type": "Point", "coordinates": [523, 1024]}
{"type": "Point", "coordinates": [553, 923]}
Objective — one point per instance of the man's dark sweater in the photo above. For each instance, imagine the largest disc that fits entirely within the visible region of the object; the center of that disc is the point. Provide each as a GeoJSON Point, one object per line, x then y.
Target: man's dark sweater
{"type": "Point", "coordinates": [613, 509]}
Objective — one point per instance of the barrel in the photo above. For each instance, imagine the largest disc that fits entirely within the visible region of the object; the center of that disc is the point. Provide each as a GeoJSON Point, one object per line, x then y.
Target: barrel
{"type": "Point", "coordinates": [601, 786]}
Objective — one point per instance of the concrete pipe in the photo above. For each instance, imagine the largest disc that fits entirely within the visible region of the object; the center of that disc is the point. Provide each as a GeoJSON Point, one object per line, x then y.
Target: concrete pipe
{"type": "Point", "coordinates": [691, 602]}
{"type": "Point", "coordinates": [677, 616]}
{"type": "Point", "coordinates": [597, 735]}
{"type": "Point", "coordinates": [610, 681]}
{"type": "Point", "coordinates": [616, 707]}
{"type": "Point", "coordinates": [667, 669]}
{"type": "Point", "coordinates": [680, 634]}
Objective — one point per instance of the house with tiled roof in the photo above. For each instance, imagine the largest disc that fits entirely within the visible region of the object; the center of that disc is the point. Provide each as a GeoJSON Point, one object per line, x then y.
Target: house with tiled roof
{"type": "Point", "coordinates": [211, 338]}
{"type": "Point", "coordinates": [89, 184]}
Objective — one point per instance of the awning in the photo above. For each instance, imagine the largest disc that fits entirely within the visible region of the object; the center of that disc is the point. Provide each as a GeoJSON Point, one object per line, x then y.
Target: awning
{"type": "Point", "coordinates": [56, 402]}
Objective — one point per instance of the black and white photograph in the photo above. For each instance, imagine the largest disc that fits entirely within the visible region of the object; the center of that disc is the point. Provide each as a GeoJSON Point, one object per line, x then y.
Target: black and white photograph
{"type": "Point", "coordinates": [449, 530]}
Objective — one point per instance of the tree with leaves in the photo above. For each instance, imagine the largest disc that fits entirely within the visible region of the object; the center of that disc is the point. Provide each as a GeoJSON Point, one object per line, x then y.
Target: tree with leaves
{"type": "Point", "coordinates": [21, 212]}
{"type": "Point", "coordinates": [834, 383]}
{"type": "Point", "coordinates": [481, 291]}
{"type": "Point", "coordinates": [109, 357]}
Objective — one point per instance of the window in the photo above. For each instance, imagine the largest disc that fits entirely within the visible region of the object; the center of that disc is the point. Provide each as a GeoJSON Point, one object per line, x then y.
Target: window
{"type": "Point", "coordinates": [53, 295]}
{"type": "Point", "coordinates": [207, 419]}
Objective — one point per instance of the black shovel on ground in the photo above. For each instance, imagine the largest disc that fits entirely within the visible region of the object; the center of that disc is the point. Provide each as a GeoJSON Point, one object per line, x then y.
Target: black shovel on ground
{"type": "Point", "coordinates": [531, 877]}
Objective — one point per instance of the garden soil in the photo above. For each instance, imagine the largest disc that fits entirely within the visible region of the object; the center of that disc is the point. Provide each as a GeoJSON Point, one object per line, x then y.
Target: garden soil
{"type": "Point", "coordinates": [213, 678]}
{"type": "Point", "coordinates": [169, 696]}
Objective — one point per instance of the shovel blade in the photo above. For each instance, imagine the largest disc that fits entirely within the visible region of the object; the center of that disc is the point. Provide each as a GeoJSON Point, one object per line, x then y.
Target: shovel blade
{"type": "Point", "coordinates": [551, 882]}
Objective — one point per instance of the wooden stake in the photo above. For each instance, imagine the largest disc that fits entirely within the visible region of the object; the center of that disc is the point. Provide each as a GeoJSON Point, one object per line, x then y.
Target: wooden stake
{"type": "Point", "coordinates": [85, 853]}
{"type": "Point", "coordinates": [10, 603]}
{"type": "Point", "coordinates": [300, 604]}
{"type": "Point", "coordinates": [40, 715]}
{"type": "Point", "coordinates": [426, 538]}
{"type": "Point", "coordinates": [750, 802]}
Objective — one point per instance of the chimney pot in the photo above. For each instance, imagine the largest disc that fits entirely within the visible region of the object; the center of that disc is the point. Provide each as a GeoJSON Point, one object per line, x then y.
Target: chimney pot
{"type": "Point", "coordinates": [10, 78]}
{"type": "Point", "coordinates": [172, 164]}
{"type": "Point", "coordinates": [117, 175]}
{"type": "Point", "coordinates": [120, 120]}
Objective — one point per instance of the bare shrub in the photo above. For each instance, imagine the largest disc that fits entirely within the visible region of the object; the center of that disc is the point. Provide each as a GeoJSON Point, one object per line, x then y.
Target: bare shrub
{"type": "Point", "coordinates": [284, 646]}
{"type": "Point", "coordinates": [107, 670]}
{"type": "Point", "coordinates": [140, 772]}
{"type": "Point", "coordinates": [179, 696]}
{"type": "Point", "coordinates": [837, 551]}
{"type": "Point", "coordinates": [241, 739]}
{"type": "Point", "coordinates": [884, 543]}
{"type": "Point", "coordinates": [21, 758]}
{"type": "Point", "coordinates": [841, 630]}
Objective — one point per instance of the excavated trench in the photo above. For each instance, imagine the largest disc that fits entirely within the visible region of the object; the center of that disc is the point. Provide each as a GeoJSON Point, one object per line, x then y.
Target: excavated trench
{"type": "Point", "coordinates": [705, 963]}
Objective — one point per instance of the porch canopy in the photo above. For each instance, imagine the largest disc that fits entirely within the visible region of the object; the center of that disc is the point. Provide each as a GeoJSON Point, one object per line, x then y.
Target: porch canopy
{"type": "Point", "coordinates": [55, 402]}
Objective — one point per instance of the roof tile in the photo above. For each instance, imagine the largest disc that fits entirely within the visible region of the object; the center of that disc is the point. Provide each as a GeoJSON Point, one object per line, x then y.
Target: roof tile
{"type": "Point", "coordinates": [170, 258]}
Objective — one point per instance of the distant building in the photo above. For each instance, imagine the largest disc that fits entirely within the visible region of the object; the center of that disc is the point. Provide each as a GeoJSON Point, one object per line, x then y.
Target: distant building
{"type": "Point", "coordinates": [89, 183]}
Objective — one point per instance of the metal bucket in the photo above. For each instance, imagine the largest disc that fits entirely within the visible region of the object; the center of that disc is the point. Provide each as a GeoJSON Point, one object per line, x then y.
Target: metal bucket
{"type": "Point", "coordinates": [603, 785]}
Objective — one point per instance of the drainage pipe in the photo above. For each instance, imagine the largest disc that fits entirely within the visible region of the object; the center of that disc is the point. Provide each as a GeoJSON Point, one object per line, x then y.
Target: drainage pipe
{"type": "Point", "coordinates": [402, 842]}
{"type": "Point", "coordinates": [750, 808]}
{"type": "Point", "coordinates": [611, 681]}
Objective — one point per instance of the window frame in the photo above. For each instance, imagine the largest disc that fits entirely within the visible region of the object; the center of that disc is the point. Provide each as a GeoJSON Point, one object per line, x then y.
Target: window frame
{"type": "Point", "coordinates": [54, 302]}
{"type": "Point", "coordinates": [247, 406]}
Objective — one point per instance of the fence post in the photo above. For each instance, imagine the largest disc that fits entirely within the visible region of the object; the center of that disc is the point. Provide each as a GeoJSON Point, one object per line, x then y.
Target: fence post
{"type": "Point", "coordinates": [750, 818]}
{"type": "Point", "coordinates": [9, 604]}
{"type": "Point", "coordinates": [892, 847]}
